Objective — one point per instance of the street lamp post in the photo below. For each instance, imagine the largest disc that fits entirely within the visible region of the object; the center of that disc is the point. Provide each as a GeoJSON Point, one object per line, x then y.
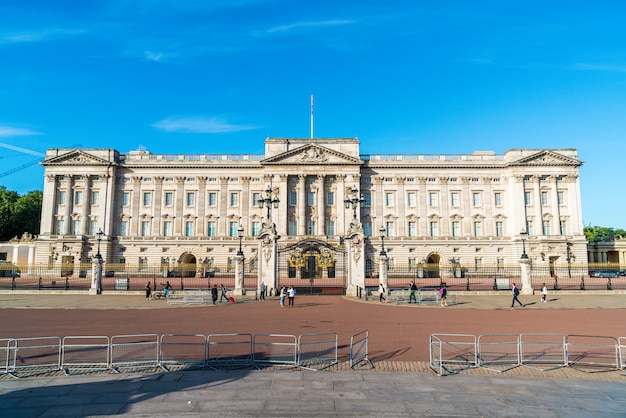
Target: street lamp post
{"type": "Point", "coordinates": [354, 201]}
{"type": "Point", "coordinates": [99, 235]}
{"type": "Point", "coordinates": [240, 235]}
{"type": "Point", "coordinates": [96, 275]}
{"type": "Point", "coordinates": [268, 202]}
{"type": "Point", "coordinates": [382, 232]}
{"type": "Point", "coordinates": [568, 248]}
{"type": "Point", "coordinates": [523, 235]}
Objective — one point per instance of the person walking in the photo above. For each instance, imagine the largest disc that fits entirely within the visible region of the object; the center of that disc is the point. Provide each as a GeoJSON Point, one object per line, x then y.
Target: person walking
{"type": "Point", "coordinates": [544, 293]}
{"type": "Point", "coordinates": [214, 293]}
{"type": "Point", "coordinates": [283, 293]}
{"type": "Point", "coordinates": [262, 289]}
{"type": "Point", "coordinates": [291, 294]}
{"type": "Point", "coordinates": [148, 291]}
{"type": "Point", "coordinates": [381, 293]}
{"type": "Point", "coordinates": [515, 291]}
{"type": "Point", "coordinates": [412, 290]}
{"type": "Point", "coordinates": [443, 292]}
{"type": "Point", "coordinates": [223, 291]}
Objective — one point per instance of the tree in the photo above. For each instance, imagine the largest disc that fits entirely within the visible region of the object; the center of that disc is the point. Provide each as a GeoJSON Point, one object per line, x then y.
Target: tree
{"type": "Point", "coordinates": [601, 233]}
{"type": "Point", "coordinates": [19, 214]}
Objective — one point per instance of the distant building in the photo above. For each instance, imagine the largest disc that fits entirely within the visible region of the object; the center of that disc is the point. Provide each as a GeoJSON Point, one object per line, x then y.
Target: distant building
{"type": "Point", "coordinates": [187, 209]}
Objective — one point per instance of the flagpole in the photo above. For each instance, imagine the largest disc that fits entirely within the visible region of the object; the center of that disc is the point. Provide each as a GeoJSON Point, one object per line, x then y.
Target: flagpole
{"type": "Point", "coordinates": [311, 116]}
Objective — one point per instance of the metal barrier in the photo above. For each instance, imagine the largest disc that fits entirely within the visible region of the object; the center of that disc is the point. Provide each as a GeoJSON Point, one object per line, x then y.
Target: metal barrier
{"type": "Point", "coordinates": [428, 295]}
{"type": "Point", "coordinates": [399, 295]}
{"type": "Point", "coordinates": [543, 351]}
{"type": "Point", "coordinates": [592, 353]}
{"type": "Point", "coordinates": [189, 296]}
{"type": "Point", "coordinates": [452, 352]}
{"type": "Point", "coordinates": [182, 351]}
{"type": "Point", "coordinates": [622, 352]}
{"type": "Point", "coordinates": [33, 355]}
{"type": "Point", "coordinates": [4, 355]}
{"type": "Point", "coordinates": [359, 350]}
{"type": "Point", "coordinates": [85, 353]}
{"type": "Point", "coordinates": [134, 351]}
{"type": "Point", "coordinates": [317, 351]}
{"type": "Point", "coordinates": [275, 350]}
{"type": "Point", "coordinates": [498, 350]}
{"type": "Point", "coordinates": [229, 351]}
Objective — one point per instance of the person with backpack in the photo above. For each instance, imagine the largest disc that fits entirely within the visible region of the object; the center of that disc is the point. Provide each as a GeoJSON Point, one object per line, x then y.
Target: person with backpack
{"type": "Point", "coordinates": [515, 291]}
{"type": "Point", "coordinates": [443, 292]}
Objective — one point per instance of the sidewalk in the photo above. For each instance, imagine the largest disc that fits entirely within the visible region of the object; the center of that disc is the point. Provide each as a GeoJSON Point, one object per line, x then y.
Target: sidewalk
{"type": "Point", "coordinates": [308, 394]}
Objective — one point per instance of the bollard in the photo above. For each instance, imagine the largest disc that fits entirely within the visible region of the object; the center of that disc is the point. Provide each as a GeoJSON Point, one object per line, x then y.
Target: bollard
{"type": "Point", "coordinates": [67, 283]}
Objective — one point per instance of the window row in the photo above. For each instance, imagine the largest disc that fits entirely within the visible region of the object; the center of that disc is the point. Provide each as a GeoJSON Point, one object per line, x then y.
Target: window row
{"type": "Point", "coordinates": [78, 197]}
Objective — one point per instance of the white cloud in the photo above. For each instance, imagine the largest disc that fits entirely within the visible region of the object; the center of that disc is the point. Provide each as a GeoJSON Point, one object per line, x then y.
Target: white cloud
{"type": "Point", "coordinates": [600, 67]}
{"type": "Point", "coordinates": [200, 125]}
{"type": "Point", "coordinates": [9, 131]}
{"type": "Point", "coordinates": [38, 36]}
{"type": "Point", "coordinates": [153, 56]}
{"type": "Point", "coordinates": [22, 150]}
{"type": "Point", "coordinates": [307, 25]}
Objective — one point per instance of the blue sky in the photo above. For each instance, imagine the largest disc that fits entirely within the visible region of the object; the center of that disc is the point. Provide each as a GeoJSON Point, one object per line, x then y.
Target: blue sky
{"type": "Point", "coordinates": [219, 76]}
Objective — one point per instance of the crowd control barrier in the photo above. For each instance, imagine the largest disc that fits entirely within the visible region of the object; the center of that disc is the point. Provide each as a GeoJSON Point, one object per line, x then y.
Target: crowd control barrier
{"type": "Point", "coordinates": [317, 351]}
{"type": "Point", "coordinates": [359, 350]}
{"type": "Point", "coordinates": [501, 352]}
{"type": "Point", "coordinates": [592, 353]}
{"type": "Point", "coordinates": [85, 353]}
{"type": "Point", "coordinates": [498, 352]}
{"type": "Point", "coordinates": [37, 354]}
{"type": "Point", "coordinates": [229, 351]}
{"type": "Point", "coordinates": [134, 351]}
{"type": "Point", "coordinates": [450, 353]}
{"type": "Point", "coordinates": [276, 350]}
{"type": "Point", "coordinates": [182, 350]}
{"type": "Point", "coordinates": [543, 351]}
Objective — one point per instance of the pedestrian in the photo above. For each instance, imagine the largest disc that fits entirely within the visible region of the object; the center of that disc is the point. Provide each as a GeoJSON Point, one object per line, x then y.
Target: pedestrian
{"type": "Point", "coordinates": [381, 293]}
{"type": "Point", "coordinates": [443, 292]}
{"type": "Point", "coordinates": [167, 287]}
{"type": "Point", "coordinates": [148, 291]}
{"type": "Point", "coordinates": [412, 289]}
{"type": "Point", "coordinates": [291, 293]}
{"type": "Point", "coordinates": [283, 293]}
{"type": "Point", "coordinates": [223, 293]}
{"type": "Point", "coordinates": [544, 293]}
{"type": "Point", "coordinates": [263, 289]}
{"type": "Point", "coordinates": [515, 291]}
{"type": "Point", "coordinates": [214, 293]}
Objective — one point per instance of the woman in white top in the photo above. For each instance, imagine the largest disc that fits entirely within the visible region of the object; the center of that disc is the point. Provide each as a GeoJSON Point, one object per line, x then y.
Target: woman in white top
{"type": "Point", "coordinates": [544, 293]}
{"type": "Point", "coordinates": [381, 293]}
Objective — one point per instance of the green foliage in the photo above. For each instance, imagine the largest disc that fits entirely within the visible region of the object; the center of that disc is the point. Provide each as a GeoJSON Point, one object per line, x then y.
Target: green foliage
{"type": "Point", "coordinates": [19, 214]}
{"type": "Point", "coordinates": [601, 233]}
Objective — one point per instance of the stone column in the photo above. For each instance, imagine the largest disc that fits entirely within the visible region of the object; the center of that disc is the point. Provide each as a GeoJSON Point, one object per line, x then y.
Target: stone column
{"type": "Point", "coordinates": [383, 270]}
{"type": "Point", "coordinates": [238, 291]}
{"type": "Point", "coordinates": [321, 219]}
{"type": "Point", "coordinates": [526, 276]}
{"type": "Point", "coordinates": [96, 276]}
{"type": "Point", "coordinates": [302, 219]}
{"type": "Point", "coordinates": [355, 246]}
{"type": "Point", "coordinates": [268, 244]}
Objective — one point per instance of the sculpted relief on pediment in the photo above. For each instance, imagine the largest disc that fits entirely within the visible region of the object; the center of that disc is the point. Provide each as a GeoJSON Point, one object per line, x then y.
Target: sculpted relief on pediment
{"type": "Point", "coordinates": [312, 154]}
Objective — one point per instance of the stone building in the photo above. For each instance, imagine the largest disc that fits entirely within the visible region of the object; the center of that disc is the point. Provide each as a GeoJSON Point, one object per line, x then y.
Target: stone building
{"type": "Point", "coordinates": [326, 201]}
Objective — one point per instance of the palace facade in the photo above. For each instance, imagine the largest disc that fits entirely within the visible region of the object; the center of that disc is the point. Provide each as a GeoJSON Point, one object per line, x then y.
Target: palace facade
{"type": "Point", "coordinates": [191, 209]}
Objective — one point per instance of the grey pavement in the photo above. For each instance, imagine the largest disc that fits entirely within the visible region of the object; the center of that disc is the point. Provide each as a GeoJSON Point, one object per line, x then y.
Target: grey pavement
{"type": "Point", "coordinates": [248, 393]}
{"type": "Point", "coordinates": [391, 389]}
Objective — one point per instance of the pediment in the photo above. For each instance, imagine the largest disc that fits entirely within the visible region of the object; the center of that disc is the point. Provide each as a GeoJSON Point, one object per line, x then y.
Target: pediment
{"type": "Point", "coordinates": [546, 158]}
{"type": "Point", "coordinates": [312, 154]}
{"type": "Point", "coordinates": [76, 157]}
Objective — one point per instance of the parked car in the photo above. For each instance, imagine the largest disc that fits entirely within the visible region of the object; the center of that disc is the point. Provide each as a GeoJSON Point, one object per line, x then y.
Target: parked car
{"type": "Point", "coordinates": [605, 273]}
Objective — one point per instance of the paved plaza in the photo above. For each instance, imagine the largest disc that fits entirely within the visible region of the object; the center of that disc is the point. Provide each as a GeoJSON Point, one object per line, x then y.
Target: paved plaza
{"type": "Point", "coordinates": [400, 383]}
